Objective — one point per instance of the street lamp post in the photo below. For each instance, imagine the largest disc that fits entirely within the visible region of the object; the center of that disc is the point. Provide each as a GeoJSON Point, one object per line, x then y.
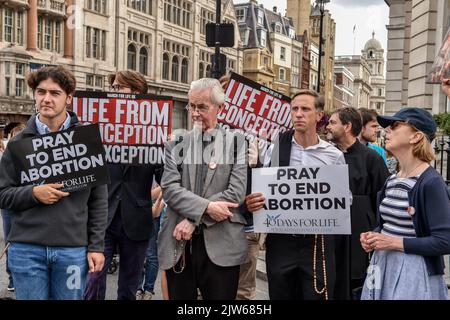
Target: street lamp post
{"type": "Point", "coordinates": [321, 4]}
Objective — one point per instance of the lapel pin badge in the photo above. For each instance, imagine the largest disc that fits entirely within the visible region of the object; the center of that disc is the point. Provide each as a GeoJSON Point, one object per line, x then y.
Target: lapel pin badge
{"type": "Point", "coordinates": [411, 211]}
{"type": "Point", "coordinates": [212, 165]}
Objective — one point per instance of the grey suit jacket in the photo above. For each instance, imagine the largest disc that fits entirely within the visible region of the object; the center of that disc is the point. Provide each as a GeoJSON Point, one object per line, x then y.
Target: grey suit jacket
{"type": "Point", "coordinates": [225, 241]}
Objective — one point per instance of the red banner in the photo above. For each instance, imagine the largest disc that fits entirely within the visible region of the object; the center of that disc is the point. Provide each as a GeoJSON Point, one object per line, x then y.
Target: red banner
{"type": "Point", "coordinates": [255, 109]}
{"type": "Point", "coordinates": [137, 121]}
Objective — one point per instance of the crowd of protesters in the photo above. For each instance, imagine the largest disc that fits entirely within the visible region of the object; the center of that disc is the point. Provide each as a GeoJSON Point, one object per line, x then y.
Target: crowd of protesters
{"type": "Point", "coordinates": [193, 220]}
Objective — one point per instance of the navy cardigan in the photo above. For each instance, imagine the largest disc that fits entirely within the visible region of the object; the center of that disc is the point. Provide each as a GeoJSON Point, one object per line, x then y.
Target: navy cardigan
{"type": "Point", "coordinates": [431, 220]}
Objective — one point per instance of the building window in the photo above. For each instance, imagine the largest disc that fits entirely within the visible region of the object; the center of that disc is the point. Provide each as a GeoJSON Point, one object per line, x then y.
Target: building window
{"type": "Point", "coordinates": [143, 61]}
{"type": "Point", "coordinates": [90, 80]}
{"type": "Point", "coordinates": [144, 6]}
{"type": "Point", "coordinates": [57, 44]}
{"type": "Point", "coordinates": [283, 53]}
{"type": "Point", "coordinates": [12, 26]}
{"type": "Point", "coordinates": [208, 70]}
{"type": "Point", "coordinates": [88, 42]}
{"type": "Point", "coordinates": [282, 74]}
{"type": "Point", "coordinates": [205, 60]}
{"type": "Point", "coordinates": [20, 84]}
{"type": "Point", "coordinates": [291, 33]}
{"type": "Point", "coordinates": [103, 46]}
{"type": "Point", "coordinates": [263, 37]}
{"type": "Point", "coordinates": [240, 15]}
{"type": "Point", "coordinates": [141, 40]}
{"type": "Point", "coordinates": [380, 92]}
{"type": "Point", "coordinates": [277, 28]}
{"type": "Point", "coordinates": [19, 28]}
{"type": "Point", "coordinates": [20, 69]}
{"type": "Point", "coordinates": [8, 86]}
{"type": "Point", "coordinates": [201, 70]}
{"type": "Point", "coordinates": [165, 68]}
{"type": "Point", "coordinates": [131, 58]}
{"type": "Point", "coordinates": [48, 35]}
{"type": "Point", "coordinates": [8, 25]}
{"type": "Point", "coordinates": [94, 82]}
{"type": "Point", "coordinates": [7, 68]}
{"type": "Point", "coordinates": [266, 61]}
{"type": "Point", "coordinates": [95, 43]}
{"type": "Point", "coordinates": [207, 17]}
{"type": "Point", "coordinates": [231, 65]}
{"type": "Point", "coordinates": [39, 32]}
{"type": "Point", "coordinates": [184, 70]}
{"type": "Point", "coordinates": [175, 66]}
{"type": "Point", "coordinates": [176, 61]}
{"type": "Point", "coordinates": [97, 6]}
{"type": "Point", "coordinates": [178, 12]}
{"type": "Point", "coordinates": [260, 17]}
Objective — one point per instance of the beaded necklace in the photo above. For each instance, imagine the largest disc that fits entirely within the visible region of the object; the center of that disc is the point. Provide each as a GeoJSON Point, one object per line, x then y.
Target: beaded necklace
{"type": "Point", "coordinates": [324, 289]}
{"type": "Point", "coordinates": [183, 257]}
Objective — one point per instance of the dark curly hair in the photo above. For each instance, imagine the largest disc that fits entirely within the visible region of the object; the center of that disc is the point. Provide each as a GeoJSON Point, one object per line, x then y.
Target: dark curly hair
{"type": "Point", "coordinates": [59, 74]}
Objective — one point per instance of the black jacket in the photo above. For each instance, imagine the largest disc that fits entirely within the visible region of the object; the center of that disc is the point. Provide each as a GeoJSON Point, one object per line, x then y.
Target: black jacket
{"type": "Point", "coordinates": [74, 221]}
{"type": "Point", "coordinates": [130, 187]}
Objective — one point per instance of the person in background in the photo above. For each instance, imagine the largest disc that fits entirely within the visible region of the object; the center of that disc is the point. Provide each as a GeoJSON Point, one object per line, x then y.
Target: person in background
{"type": "Point", "coordinates": [130, 223]}
{"type": "Point", "coordinates": [413, 220]}
{"type": "Point", "coordinates": [151, 266]}
{"type": "Point", "coordinates": [369, 131]}
{"type": "Point", "coordinates": [367, 174]}
{"type": "Point", "coordinates": [56, 237]}
{"type": "Point", "coordinates": [6, 215]}
{"type": "Point", "coordinates": [247, 270]}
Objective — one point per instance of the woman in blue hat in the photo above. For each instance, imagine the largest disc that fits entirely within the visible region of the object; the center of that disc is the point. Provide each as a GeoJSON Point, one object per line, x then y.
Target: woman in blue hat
{"type": "Point", "coordinates": [413, 217]}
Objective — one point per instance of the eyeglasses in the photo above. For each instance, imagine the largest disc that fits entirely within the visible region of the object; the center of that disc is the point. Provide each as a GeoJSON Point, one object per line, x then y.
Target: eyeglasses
{"type": "Point", "coordinates": [118, 87]}
{"type": "Point", "coordinates": [202, 109]}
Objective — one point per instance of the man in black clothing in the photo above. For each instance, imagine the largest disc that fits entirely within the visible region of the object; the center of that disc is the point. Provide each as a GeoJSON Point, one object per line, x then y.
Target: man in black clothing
{"type": "Point", "coordinates": [130, 221]}
{"type": "Point", "coordinates": [368, 173]}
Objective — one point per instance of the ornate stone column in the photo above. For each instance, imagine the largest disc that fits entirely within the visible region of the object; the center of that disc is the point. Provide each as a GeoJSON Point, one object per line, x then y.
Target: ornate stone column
{"type": "Point", "coordinates": [32, 22]}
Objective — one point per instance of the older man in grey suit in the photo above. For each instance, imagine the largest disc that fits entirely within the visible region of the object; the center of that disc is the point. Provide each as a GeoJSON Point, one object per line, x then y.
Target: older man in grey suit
{"type": "Point", "coordinates": [202, 243]}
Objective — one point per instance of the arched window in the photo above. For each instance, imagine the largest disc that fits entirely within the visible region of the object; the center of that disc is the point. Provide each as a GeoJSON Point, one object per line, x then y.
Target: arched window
{"type": "Point", "coordinates": [175, 65]}
{"type": "Point", "coordinates": [184, 70]}
{"type": "Point", "coordinates": [143, 61]}
{"type": "Point", "coordinates": [208, 71]}
{"type": "Point", "coordinates": [282, 74]}
{"type": "Point", "coordinates": [201, 71]}
{"type": "Point", "coordinates": [165, 68]}
{"type": "Point", "coordinates": [131, 57]}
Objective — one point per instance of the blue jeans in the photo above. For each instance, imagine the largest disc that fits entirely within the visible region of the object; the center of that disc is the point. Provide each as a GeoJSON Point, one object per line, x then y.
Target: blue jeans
{"type": "Point", "coordinates": [151, 265]}
{"type": "Point", "coordinates": [6, 218]}
{"type": "Point", "coordinates": [48, 273]}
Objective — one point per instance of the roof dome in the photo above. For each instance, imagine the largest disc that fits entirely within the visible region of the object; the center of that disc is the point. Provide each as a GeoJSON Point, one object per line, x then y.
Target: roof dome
{"type": "Point", "coordinates": [373, 44]}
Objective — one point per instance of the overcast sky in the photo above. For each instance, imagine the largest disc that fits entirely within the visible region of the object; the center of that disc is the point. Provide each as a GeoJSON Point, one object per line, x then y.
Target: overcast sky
{"type": "Point", "coordinates": [367, 15]}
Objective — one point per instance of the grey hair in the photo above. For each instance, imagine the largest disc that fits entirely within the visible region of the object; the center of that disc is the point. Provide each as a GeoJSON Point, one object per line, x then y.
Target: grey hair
{"type": "Point", "coordinates": [217, 95]}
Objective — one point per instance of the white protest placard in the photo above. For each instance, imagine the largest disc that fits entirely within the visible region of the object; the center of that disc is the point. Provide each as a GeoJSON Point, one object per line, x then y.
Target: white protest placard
{"type": "Point", "coordinates": [303, 200]}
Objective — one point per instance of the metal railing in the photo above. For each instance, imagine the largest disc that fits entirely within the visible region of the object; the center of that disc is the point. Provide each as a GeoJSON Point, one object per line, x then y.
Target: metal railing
{"type": "Point", "coordinates": [442, 153]}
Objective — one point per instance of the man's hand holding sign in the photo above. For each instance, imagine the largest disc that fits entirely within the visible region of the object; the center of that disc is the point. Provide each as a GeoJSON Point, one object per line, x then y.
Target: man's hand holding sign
{"type": "Point", "coordinates": [49, 193]}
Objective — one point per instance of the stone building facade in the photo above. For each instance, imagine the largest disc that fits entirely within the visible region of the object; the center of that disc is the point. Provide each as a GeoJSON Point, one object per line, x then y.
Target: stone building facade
{"type": "Point", "coordinates": [163, 39]}
{"type": "Point", "coordinates": [415, 32]}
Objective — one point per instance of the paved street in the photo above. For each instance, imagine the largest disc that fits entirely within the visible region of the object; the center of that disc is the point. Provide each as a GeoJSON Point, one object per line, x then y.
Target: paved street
{"type": "Point", "coordinates": [111, 293]}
